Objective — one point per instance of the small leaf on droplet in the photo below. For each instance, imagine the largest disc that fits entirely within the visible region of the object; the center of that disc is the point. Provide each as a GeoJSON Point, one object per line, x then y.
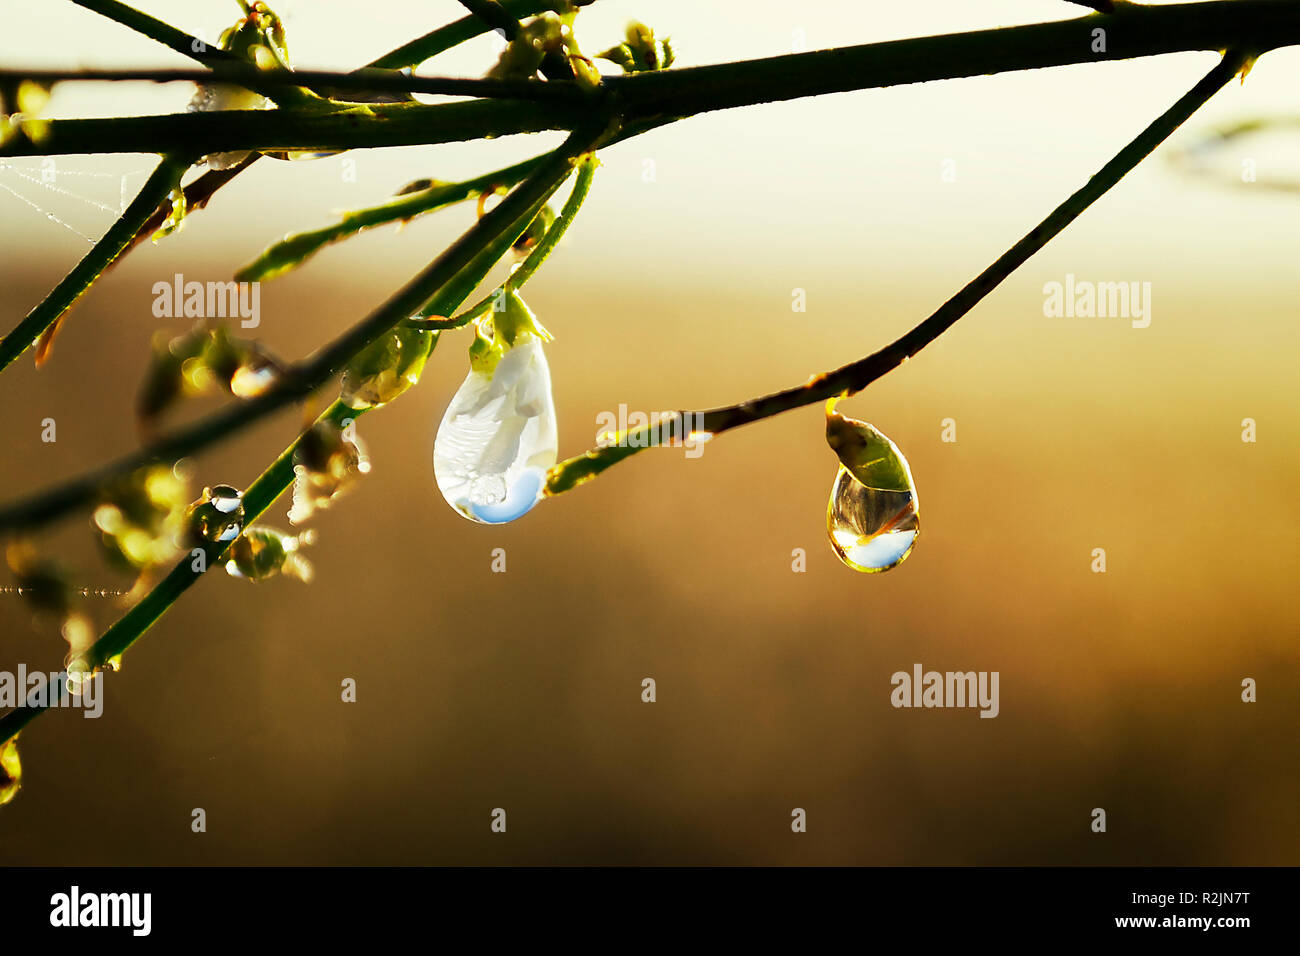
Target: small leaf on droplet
{"type": "Point", "coordinates": [869, 455]}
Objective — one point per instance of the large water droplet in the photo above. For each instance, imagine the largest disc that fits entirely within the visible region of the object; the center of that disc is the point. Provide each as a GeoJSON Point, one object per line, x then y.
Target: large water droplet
{"type": "Point", "coordinates": [498, 437]}
{"type": "Point", "coordinates": [872, 517]}
{"type": "Point", "coordinates": [870, 529]}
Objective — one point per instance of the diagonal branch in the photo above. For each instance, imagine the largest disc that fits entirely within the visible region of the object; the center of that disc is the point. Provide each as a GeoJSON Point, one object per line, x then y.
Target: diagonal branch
{"type": "Point", "coordinates": [302, 379]}
{"type": "Point", "coordinates": [453, 34]}
{"type": "Point", "coordinates": [554, 66]}
{"type": "Point", "coordinates": [114, 242]}
{"type": "Point", "coordinates": [1132, 31]}
{"type": "Point", "coordinates": [156, 29]}
{"type": "Point", "coordinates": [275, 480]}
{"type": "Point", "coordinates": [858, 375]}
{"type": "Point", "coordinates": [197, 194]}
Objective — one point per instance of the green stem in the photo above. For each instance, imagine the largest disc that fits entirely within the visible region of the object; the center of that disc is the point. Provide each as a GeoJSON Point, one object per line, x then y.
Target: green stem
{"type": "Point", "coordinates": [453, 34]}
{"type": "Point", "coordinates": [201, 190]}
{"type": "Point", "coordinates": [485, 242]}
{"type": "Point", "coordinates": [581, 187]}
{"type": "Point", "coordinates": [295, 249]}
{"type": "Point", "coordinates": [554, 66]}
{"type": "Point", "coordinates": [358, 81]}
{"type": "Point", "coordinates": [261, 494]}
{"type": "Point", "coordinates": [404, 124]}
{"type": "Point", "coordinates": [274, 481]}
{"type": "Point", "coordinates": [156, 29]}
{"type": "Point", "coordinates": [1132, 31]}
{"type": "Point", "coordinates": [155, 190]}
{"type": "Point", "coordinates": [858, 375]}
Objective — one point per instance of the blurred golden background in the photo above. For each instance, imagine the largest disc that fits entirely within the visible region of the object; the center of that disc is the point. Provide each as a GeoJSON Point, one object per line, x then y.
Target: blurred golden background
{"type": "Point", "coordinates": [522, 690]}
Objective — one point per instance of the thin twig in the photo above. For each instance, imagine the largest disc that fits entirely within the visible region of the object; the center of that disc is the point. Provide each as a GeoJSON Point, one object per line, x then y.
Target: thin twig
{"type": "Point", "coordinates": [858, 375]}
{"type": "Point", "coordinates": [554, 66]}
{"type": "Point", "coordinates": [364, 81]}
{"type": "Point", "coordinates": [156, 29]}
{"type": "Point", "coordinates": [296, 248]}
{"type": "Point", "coordinates": [198, 193]}
{"type": "Point", "coordinates": [114, 242]}
{"type": "Point", "coordinates": [534, 260]}
{"type": "Point", "coordinates": [408, 55]}
{"type": "Point", "coordinates": [453, 34]}
{"type": "Point", "coordinates": [1132, 31]}
{"type": "Point", "coordinates": [269, 486]}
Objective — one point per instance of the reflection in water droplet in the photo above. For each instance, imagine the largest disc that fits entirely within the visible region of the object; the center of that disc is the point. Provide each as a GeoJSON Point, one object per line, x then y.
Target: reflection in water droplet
{"type": "Point", "coordinates": [327, 462]}
{"type": "Point", "coordinates": [79, 670]}
{"type": "Point", "coordinates": [870, 529]}
{"type": "Point", "coordinates": [261, 553]}
{"type": "Point", "coordinates": [498, 438]}
{"type": "Point", "coordinates": [254, 378]}
{"type": "Point", "coordinates": [218, 516]}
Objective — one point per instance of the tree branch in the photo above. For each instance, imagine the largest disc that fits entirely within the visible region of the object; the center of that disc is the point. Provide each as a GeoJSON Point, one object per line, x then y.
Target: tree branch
{"type": "Point", "coordinates": [305, 377]}
{"type": "Point", "coordinates": [156, 29]}
{"type": "Point", "coordinates": [554, 66]}
{"type": "Point", "coordinates": [113, 243]}
{"type": "Point", "coordinates": [198, 193]}
{"type": "Point", "coordinates": [1132, 31]}
{"type": "Point", "coordinates": [365, 80]}
{"type": "Point", "coordinates": [276, 479]}
{"type": "Point", "coordinates": [858, 375]}
{"type": "Point", "coordinates": [453, 34]}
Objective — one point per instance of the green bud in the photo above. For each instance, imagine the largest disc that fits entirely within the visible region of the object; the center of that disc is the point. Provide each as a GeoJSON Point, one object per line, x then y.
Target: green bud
{"type": "Point", "coordinates": [641, 52]}
{"type": "Point", "coordinates": [531, 236]}
{"type": "Point", "coordinates": [201, 359]}
{"type": "Point", "coordinates": [175, 219]}
{"type": "Point", "coordinates": [141, 517]}
{"type": "Point", "coordinates": [387, 367]}
{"type": "Point", "coordinates": [870, 456]}
{"type": "Point", "coordinates": [509, 320]}
{"type": "Point", "coordinates": [327, 462]}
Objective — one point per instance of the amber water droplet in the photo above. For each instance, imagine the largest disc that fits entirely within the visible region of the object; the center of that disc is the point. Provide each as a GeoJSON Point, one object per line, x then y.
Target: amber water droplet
{"type": "Point", "coordinates": [871, 529]}
{"type": "Point", "coordinates": [218, 516]}
{"type": "Point", "coordinates": [261, 553]}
